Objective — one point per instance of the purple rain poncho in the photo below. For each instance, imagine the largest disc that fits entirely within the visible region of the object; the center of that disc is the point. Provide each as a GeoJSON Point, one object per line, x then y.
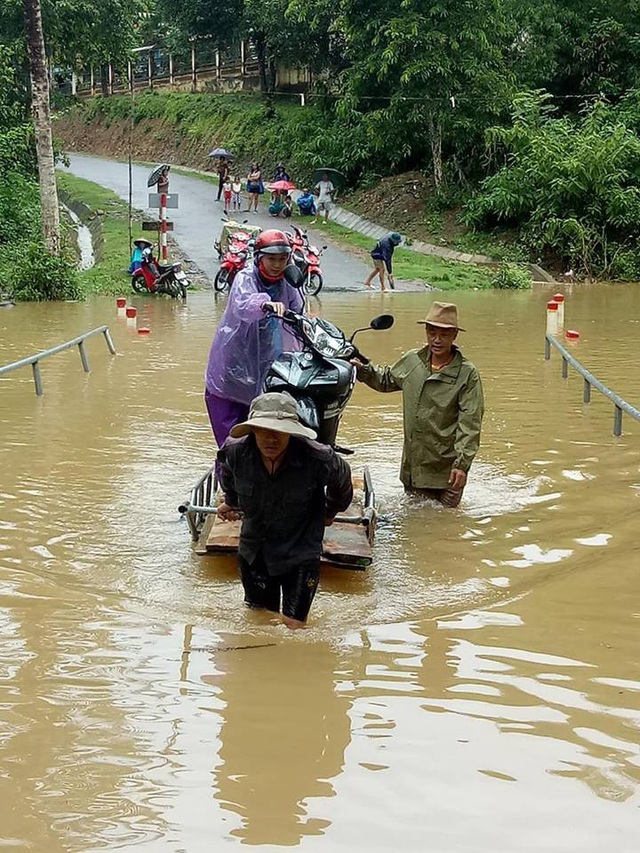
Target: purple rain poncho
{"type": "Point", "coordinates": [248, 341]}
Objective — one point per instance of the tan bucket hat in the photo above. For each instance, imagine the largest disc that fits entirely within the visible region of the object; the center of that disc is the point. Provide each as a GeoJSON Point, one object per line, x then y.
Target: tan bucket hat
{"type": "Point", "coordinates": [274, 410]}
{"type": "Point", "coordinates": [444, 315]}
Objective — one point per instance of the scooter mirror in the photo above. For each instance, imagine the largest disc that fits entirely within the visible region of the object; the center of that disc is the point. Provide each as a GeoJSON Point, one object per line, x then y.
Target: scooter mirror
{"type": "Point", "coordinates": [383, 321]}
{"type": "Point", "coordinates": [324, 247]}
{"type": "Point", "coordinates": [293, 276]}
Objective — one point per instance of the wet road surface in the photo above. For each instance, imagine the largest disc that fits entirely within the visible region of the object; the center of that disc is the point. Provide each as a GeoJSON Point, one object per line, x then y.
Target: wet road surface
{"type": "Point", "coordinates": [197, 221]}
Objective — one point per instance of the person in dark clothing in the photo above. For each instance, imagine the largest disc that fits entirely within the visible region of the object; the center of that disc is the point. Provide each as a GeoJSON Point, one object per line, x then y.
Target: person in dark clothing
{"type": "Point", "coordinates": [382, 253]}
{"type": "Point", "coordinates": [223, 168]}
{"type": "Point", "coordinates": [281, 173]}
{"type": "Point", "coordinates": [288, 488]}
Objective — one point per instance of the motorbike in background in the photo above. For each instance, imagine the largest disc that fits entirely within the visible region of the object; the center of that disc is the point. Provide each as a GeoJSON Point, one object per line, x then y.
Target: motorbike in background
{"type": "Point", "coordinates": [237, 255]}
{"type": "Point", "coordinates": [307, 258]}
{"type": "Point", "coordinates": [154, 277]}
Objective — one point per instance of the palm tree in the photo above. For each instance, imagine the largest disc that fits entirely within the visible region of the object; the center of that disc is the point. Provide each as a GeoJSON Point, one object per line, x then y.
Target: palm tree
{"type": "Point", "coordinates": [38, 70]}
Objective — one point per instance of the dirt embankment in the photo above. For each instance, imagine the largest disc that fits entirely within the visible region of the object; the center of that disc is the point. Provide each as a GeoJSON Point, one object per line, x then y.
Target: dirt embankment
{"type": "Point", "coordinates": [400, 202]}
{"type": "Point", "coordinates": [151, 139]}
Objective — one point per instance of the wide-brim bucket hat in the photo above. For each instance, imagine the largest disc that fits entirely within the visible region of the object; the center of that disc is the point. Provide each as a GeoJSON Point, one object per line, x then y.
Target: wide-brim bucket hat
{"type": "Point", "coordinates": [444, 315]}
{"type": "Point", "coordinates": [275, 410]}
{"type": "Point", "coordinates": [142, 240]}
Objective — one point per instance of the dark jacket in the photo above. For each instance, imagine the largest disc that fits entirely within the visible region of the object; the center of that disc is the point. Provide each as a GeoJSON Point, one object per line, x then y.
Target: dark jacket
{"type": "Point", "coordinates": [383, 251]}
{"type": "Point", "coordinates": [284, 513]}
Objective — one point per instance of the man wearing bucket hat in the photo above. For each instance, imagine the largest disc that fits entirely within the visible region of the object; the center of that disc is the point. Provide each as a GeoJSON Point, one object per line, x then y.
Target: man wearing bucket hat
{"type": "Point", "coordinates": [287, 487]}
{"type": "Point", "coordinates": [443, 406]}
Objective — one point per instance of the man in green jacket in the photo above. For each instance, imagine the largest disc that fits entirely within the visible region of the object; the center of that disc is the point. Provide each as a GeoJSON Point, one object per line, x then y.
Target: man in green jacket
{"type": "Point", "coordinates": [443, 406]}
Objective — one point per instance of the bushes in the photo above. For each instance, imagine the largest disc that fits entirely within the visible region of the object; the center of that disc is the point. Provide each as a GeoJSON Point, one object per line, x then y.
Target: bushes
{"type": "Point", "coordinates": [30, 273]}
{"type": "Point", "coordinates": [511, 277]}
{"type": "Point", "coordinates": [572, 186]}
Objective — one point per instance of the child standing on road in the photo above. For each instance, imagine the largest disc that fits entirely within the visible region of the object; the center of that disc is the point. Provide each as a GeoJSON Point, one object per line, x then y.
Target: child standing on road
{"type": "Point", "coordinates": [236, 189]}
{"type": "Point", "coordinates": [226, 193]}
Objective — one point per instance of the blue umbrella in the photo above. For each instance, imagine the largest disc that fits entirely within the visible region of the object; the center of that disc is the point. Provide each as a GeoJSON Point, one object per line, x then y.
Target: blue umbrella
{"type": "Point", "coordinates": [221, 152]}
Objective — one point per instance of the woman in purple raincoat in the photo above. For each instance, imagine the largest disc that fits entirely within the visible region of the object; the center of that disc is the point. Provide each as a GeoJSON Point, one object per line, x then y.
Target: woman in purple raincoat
{"type": "Point", "coordinates": [248, 340]}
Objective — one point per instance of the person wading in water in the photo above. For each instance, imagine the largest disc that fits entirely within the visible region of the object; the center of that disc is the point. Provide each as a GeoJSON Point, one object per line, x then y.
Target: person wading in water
{"type": "Point", "coordinates": [288, 488]}
{"type": "Point", "coordinates": [443, 405]}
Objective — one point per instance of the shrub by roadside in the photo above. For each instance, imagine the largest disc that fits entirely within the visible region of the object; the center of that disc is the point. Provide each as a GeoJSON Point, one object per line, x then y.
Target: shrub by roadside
{"type": "Point", "coordinates": [511, 277]}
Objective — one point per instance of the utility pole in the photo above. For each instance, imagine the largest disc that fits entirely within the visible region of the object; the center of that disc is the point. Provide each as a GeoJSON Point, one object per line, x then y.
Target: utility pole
{"type": "Point", "coordinates": [39, 75]}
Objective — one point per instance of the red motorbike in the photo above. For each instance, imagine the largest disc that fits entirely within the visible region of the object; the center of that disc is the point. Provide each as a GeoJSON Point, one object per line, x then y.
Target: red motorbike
{"type": "Point", "coordinates": [240, 251]}
{"type": "Point", "coordinates": [153, 277]}
{"type": "Point", "coordinates": [307, 258]}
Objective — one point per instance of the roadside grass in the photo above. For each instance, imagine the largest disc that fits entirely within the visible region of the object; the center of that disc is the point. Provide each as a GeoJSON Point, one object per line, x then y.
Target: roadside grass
{"type": "Point", "coordinates": [412, 266]}
{"type": "Point", "coordinates": [108, 276]}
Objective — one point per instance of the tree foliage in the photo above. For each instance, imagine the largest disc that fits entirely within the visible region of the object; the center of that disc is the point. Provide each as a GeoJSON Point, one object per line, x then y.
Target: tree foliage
{"type": "Point", "coordinates": [571, 185]}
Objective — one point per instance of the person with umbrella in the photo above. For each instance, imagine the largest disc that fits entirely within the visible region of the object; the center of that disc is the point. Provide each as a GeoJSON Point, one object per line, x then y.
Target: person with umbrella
{"type": "Point", "coordinates": [223, 173]}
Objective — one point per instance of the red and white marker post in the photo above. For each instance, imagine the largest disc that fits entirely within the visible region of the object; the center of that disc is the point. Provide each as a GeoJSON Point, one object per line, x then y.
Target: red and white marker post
{"type": "Point", "coordinates": [552, 317]}
{"type": "Point", "coordinates": [164, 253]}
{"type": "Point", "coordinates": [559, 298]}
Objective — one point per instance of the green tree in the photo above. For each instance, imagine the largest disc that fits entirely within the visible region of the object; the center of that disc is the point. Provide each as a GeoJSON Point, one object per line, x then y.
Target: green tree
{"type": "Point", "coordinates": [571, 186]}
{"type": "Point", "coordinates": [425, 75]}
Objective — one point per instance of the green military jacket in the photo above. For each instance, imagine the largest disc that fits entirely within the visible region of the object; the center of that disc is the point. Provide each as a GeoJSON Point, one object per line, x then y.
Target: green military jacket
{"type": "Point", "coordinates": [442, 414]}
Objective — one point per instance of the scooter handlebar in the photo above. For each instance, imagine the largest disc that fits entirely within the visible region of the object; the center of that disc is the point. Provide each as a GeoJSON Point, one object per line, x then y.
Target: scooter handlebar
{"type": "Point", "coordinates": [357, 354]}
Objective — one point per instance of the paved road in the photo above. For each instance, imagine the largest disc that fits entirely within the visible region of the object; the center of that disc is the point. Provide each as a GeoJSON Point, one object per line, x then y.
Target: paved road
{"type": "Point", "coordinates": [197, 221]}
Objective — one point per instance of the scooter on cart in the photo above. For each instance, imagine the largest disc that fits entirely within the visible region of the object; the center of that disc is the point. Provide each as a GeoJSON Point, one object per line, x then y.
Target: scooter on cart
{"type": "Point", "coordinates": [321, 379]}
{"type": "Point", "coordinates": [151, 276]}
{"type": "Point", "coordinates": [307, 258]}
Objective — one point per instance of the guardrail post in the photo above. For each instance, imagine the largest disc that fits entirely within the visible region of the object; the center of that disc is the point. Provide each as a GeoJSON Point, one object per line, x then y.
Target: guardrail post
{"type": "Point", "coordinates": [617, 421]}
{"type": "Point", "coordinates": [547, 349]}
{"type": "Point", "coordinates": [83, 356]}
{"type": "Point", "coordinates": [37, 378]}
{"type": "Point", "coordinates": [109, 340]}
{"type": "Point", "coordinates": [565, 368]}
{"type": "Point", "coordinates": [586, 392]}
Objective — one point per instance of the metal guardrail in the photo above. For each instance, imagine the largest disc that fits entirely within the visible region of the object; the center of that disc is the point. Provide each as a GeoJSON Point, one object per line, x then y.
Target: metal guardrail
{"type": "Point", "coordinates": [34, 360]}
{"type": "Point", "coordinates": [620, 406]}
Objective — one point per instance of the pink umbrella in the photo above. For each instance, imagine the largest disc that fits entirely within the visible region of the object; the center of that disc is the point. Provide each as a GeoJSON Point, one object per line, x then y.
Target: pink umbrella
{"type": "Point", "coordinates": [281, 186]}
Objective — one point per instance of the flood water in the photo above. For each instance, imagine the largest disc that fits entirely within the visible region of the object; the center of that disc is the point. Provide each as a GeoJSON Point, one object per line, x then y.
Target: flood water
{"type": "Point", "coordinates": [478, 689]}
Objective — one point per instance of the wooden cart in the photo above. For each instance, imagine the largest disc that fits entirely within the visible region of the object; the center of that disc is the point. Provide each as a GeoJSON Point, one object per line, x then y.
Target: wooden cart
{"type": "Point", "coordinates": [347, 543]}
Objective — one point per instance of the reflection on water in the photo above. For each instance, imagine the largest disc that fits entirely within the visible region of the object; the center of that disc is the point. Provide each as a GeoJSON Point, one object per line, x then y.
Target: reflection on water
{"type": "Point", "coordinates": [477, 689]}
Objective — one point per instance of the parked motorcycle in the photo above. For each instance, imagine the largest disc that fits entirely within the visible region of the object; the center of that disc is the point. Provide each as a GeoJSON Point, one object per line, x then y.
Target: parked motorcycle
{"type": "Point", "coordinates": [154, 277]}
{"type": "Point", "coordinates": [307, 258]}
{"type": "Point", "coordinates": [320, 376]}
{"type": "Point", "coordinates": [239, 252]}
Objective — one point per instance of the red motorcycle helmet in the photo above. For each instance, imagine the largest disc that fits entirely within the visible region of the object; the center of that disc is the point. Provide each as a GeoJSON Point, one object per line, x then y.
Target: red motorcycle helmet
{"type": "Point", "coordinates": [270, 242]}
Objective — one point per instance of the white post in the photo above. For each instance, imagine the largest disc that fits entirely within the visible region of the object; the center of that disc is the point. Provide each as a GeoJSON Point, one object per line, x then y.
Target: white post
{"type": "Point", "coordinates": [171, 69]}
{"type": "Point", "coordinates": [552, 317]}
{"type": "Point", "coordinates": [559, 298]}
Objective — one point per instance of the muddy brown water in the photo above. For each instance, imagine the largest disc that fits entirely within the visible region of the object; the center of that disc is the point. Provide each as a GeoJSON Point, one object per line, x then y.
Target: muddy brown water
{"type": "Point", "coordinates": [477, 690]}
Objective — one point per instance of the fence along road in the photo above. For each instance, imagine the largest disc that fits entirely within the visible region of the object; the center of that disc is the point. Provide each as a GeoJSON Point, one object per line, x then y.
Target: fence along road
{"type": "Point", "coordinates": [590, 381]}
{"type": "Point", "coordinates": [34, 360]}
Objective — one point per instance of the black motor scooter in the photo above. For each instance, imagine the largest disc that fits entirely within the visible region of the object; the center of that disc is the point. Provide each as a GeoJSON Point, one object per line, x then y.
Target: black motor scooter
{"type": "Point", "coordinates": [320, 377]}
